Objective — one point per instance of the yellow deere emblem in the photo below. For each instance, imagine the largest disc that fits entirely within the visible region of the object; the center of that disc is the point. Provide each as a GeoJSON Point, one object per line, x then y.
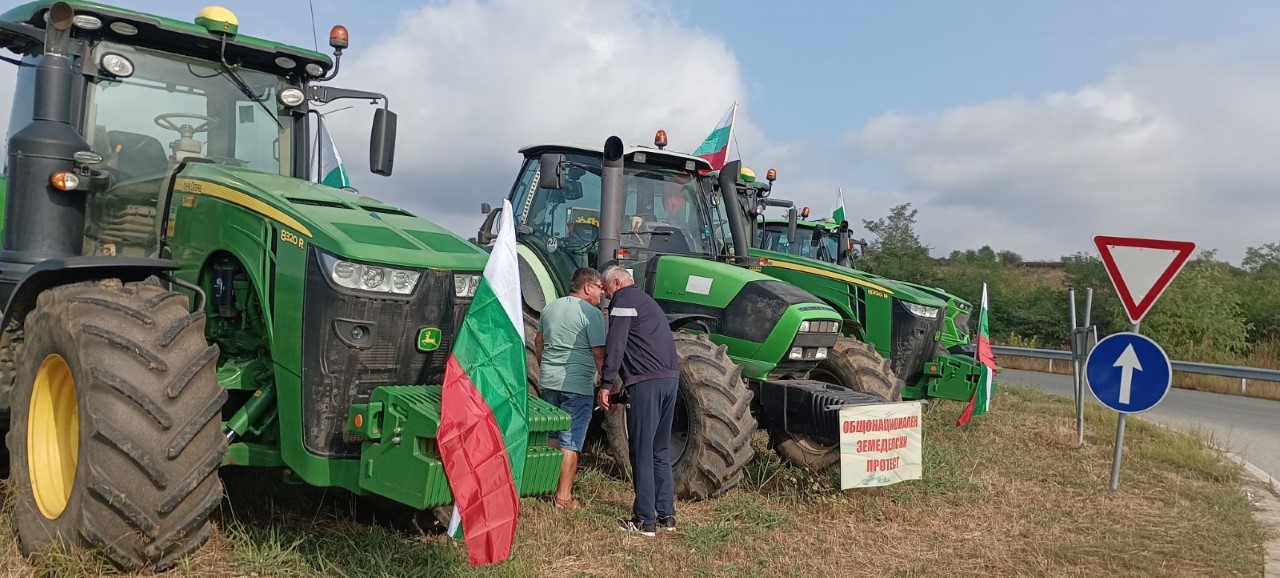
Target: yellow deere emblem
{"type": "Point", "coordinates": [429, 339]}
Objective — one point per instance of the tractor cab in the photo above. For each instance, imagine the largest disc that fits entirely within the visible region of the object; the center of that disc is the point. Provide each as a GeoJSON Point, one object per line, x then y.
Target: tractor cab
{"type": "Point", "coordinates": [557, 199]}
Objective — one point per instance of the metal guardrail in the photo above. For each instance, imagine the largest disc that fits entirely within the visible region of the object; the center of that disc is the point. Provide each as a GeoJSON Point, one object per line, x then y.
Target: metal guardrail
{"type": "Point", "coordinates": [1244, 374]}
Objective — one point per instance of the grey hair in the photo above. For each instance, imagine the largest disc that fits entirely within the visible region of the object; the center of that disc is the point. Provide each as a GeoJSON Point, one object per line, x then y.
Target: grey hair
{"type": "Point", "coordinates": [619, 275]}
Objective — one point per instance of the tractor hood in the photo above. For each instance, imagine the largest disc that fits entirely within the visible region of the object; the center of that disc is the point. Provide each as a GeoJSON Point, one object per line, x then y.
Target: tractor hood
{"type": "Point", "coordinates": [756, 315]}
{"type": "Point", "coordinates": [350, 225]}
{"type": "Point", "coordinates": [890, 287]}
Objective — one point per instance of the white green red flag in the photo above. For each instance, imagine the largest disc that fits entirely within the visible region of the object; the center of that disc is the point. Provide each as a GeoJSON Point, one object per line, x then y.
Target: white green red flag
{"type": "Point", "coordinates": [484, 432]}
{"type": "Point", "coordinates": [328, 169]}
{"type": "Point", "coordinates": [980, 402]}
{"type": "Point", "coordinates": [837, 209]}
{"type": "Point", "coordinates": [715, 148]}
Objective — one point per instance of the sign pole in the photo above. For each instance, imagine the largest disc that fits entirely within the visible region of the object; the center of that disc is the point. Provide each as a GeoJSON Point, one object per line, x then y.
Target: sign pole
{"type": "Point", "coordinates": [1075, 364]}
{"type": "Point", "coordinates": [1083, 348]}
{"type": "Point", "coordinates": [1115, 458]}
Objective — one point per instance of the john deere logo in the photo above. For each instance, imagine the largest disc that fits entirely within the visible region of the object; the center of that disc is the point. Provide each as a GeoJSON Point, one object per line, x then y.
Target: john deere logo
{"type": "Point", "coordinates": [429, 339]}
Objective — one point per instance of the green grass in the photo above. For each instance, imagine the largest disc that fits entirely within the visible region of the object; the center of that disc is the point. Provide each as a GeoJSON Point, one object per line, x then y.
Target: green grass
{"type": "Point", "coordinates": [1011, 494]}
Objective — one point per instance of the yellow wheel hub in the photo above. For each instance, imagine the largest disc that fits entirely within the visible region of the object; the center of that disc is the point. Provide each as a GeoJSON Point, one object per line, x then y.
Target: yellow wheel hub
{"type": "Point", "coordinates": [53, 436]}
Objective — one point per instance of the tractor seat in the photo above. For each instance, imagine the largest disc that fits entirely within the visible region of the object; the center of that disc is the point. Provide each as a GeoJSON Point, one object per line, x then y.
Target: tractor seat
{"type": "Point", "coordinates": [675, 242]}
{"type": "Point", "coordinates": [139, 155]}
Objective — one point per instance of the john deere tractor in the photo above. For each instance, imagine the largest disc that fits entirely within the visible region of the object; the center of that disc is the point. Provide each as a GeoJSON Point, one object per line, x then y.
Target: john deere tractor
{"type": "Point", "coordinates": [922, 330]}
{"type": "Point", "coordinates": [755, 351]}
{"type": "Point", "coordinates": [178, 296]}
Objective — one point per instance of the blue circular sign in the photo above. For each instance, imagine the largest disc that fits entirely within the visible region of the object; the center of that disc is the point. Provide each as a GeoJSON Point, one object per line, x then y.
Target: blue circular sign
{"type": "Point", "coordinates": [1128, 372]}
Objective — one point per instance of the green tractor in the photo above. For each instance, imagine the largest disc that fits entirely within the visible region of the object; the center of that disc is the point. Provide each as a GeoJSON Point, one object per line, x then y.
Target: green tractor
{"type": "Point", "coordinates": [172, 309]}
{"type": "Point", "coordinates": [755, 351]}
{"type": "Point", "coordinates": [922, 330]}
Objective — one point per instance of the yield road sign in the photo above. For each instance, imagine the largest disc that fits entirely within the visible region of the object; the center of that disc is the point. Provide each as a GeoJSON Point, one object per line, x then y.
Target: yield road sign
{"type": "Point", "coordinates": [1128, 372]}
{"type": "Point", "coordinates": [1141, 269]}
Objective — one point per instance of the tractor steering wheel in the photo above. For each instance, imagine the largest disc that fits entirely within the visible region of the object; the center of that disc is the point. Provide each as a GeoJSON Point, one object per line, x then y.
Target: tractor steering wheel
{"type": "Point", "coordinates": [186, 130]}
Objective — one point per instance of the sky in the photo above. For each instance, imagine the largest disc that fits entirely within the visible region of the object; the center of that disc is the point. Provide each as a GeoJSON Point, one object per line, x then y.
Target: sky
{"type": "Point", "coordinates": [1026, 126]}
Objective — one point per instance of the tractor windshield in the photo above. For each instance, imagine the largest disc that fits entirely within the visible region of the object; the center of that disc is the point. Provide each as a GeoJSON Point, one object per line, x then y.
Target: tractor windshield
{"type": "Point", "coordinates": [773, 236]}
{"type": "Point", "coordinates": [664, 211]}
{"type": "Point", "coordinates": [173, 108]}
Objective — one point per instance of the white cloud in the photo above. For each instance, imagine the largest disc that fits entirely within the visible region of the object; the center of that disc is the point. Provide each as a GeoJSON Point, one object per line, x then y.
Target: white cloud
{"type": "Point", "coordinates": [1181, 144]}
{"type": "Point", "coordinates": [474, 81]}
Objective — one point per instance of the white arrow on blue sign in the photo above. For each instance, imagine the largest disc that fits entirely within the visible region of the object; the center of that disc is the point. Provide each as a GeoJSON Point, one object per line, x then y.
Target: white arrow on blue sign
{"type": "Point", "coordinates": [1128, 372]}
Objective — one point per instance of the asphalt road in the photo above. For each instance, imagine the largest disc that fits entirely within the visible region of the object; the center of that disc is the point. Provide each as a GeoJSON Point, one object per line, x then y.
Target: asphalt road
{"type": "Point", "coordinates": [1246, 426]}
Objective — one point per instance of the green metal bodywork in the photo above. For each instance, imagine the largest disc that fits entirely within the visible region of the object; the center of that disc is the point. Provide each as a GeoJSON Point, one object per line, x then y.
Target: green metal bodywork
{"type": "Point", "coordinates": [668, 277]}
{"type": "Point", "coordinates": [263, 226]}
{"type": "Point", "coordinates": [865, 301]}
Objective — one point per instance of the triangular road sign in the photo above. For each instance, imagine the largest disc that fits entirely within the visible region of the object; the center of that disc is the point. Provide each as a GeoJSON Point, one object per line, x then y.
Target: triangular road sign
{"type": "Point", "coordinates": [1141, 269]}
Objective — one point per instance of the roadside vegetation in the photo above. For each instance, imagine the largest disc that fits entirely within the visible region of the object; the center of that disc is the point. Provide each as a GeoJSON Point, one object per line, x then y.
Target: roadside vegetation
{"type": "Point", "coordinates": [1011, 494]}
{"type": "Point", "coordinates": [1214, 312]}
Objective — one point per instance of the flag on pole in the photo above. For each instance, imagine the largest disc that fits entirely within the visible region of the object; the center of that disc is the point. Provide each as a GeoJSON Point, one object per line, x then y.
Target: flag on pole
{"type": "Point", "coordinates": [837, 210]}
{"type": "Point", "coordinates": [716, 146]}
{"type": "Point", "coordinates": [980, 402]}
{"type": "Point", "coordinates": [484, 434]}
{"type": "Point", "coordinates": [328, 169]}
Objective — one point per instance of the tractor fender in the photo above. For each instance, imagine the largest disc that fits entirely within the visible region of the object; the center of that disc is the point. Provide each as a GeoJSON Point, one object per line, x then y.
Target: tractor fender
{"type": "Point", "coordinates": [678, 321]}
{"type": "Point", "coordinates": [65, 271]}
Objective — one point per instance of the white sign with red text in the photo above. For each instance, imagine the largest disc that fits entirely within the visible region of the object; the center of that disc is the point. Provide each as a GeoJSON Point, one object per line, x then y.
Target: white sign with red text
{"type": "Point", "coordinates": [880, 444]}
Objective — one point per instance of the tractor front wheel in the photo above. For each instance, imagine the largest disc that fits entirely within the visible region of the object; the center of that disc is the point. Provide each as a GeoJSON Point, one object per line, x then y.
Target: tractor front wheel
{"type": "Point", "coordinates": [853, 365]}
{"type": "Point", "coordinates": [114, 426]}
{"type": "Point", "coordinates": [711, 432]}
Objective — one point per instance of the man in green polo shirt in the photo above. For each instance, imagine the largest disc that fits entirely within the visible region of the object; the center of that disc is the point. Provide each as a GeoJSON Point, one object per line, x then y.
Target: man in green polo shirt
{"type": "Point", "coordinates": [570, 347]}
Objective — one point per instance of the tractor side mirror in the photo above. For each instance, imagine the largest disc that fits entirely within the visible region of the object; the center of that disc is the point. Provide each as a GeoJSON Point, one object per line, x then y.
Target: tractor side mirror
{"type": "Point", "coordinates": [551, 171]}
{"type": "Point", "coordinates": [791, 225]}
{"type": "Point", "coordinates": [485, 209]}
{"type": "Point", "coordinates": [382, 142]}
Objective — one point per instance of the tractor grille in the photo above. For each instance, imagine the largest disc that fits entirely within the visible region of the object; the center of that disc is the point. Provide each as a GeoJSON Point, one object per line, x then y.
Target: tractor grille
{"type": "Point", "coordinates": [337, 372]}
{"type": "Point", "coordinates": [913, 342]}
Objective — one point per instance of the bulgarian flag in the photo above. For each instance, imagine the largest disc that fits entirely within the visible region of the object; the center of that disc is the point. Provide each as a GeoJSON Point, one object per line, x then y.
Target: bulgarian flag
{"type": "Point", "coordinates": [716, 146]}
{"type": "Point", "coordinates": [837, 210]}
{"type": "Point", "coordinates": [980, 403]}
{"type": "Point", "coordinates": [328, 169]}
{"type": "Point", "coordinates": [483, 431]}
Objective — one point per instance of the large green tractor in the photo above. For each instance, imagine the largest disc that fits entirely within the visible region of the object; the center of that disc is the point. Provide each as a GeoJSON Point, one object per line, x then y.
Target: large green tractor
{"type": "Point", "coordinates": [179, 297]}
{"type": "Point", "coordinates": [923, 331]}
{"type": "Point", "coordinates": [755, 351]}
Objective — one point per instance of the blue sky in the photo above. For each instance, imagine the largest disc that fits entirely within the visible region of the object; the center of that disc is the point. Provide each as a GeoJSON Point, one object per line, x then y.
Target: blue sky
{"type": "Point", "coordinates": [1028, 126]}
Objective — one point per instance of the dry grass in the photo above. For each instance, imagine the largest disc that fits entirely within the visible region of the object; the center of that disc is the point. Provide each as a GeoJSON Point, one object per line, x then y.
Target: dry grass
{"type": "Point", "coordinates": [1009, 495]}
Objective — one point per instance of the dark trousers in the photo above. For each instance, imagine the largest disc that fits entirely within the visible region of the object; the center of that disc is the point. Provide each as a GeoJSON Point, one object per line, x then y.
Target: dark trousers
{"type": "Point", "coordinates": [653, 405]}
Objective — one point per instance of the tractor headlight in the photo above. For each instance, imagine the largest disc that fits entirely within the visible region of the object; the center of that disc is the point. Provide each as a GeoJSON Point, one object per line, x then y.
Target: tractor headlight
{"type": "Point", "coordinates": [464, 285]}
{"type": "Point", "coordinates": [117, 65]}
{"type": "Point", "coordinates": [819, 326]}
{"type": "Point", "coordinates": [376, 278]}
{"type": "Point", "coordinates": [291, 97]}
{"type": "Point", "coordinates": [796, 353]}
{"type": "Point", "coordinates": [921, 310]}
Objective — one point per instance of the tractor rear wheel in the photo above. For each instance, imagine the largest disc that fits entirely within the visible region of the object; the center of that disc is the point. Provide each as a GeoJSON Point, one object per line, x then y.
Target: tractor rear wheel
{"type": "Point", "coordinates": [114, 426]}
{"type": "Point", "coordinates": [853, 365]}
{"type": "Point", "coordinates": [711, 432]}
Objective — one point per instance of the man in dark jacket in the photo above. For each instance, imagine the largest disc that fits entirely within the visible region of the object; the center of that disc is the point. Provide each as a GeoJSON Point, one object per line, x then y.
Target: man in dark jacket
{"type": "Point", "coordinates": [640, 349]}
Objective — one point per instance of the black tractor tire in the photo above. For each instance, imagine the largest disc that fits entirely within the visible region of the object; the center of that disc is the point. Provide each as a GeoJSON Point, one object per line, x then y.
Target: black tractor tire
{"type": "Point", "coordinates": [851, 364]}
{"type": "Point", "coordinates": [714, 408]}
{"type": "Point", "coordinates": [128, 365]}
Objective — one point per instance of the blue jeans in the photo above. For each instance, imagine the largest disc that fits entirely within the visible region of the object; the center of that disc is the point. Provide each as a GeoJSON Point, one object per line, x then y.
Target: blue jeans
{"type": "Point", "coordinates": [653, 405]}
{"type": "Point", "coordinates": [579, 408]}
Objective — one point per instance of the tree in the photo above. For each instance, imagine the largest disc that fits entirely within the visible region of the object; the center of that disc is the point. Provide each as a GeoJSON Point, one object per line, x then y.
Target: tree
{"type": "Point", "coordinates": [897, 252]}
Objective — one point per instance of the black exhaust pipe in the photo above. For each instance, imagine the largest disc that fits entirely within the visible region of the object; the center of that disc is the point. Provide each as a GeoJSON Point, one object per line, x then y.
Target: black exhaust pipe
{"type": "Point", "coordinates": [42, 222]}
{"type": "Point", "coordinates": [610, 201]}
{"type": "Point", "coordinates": [729, 195]}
